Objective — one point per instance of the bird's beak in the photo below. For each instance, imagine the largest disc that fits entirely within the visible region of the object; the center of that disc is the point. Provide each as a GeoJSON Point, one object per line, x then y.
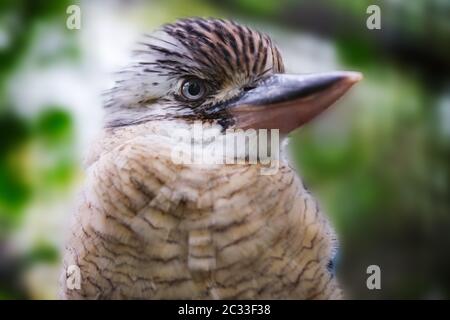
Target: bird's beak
{"type": "Point", "coordinates": [286, 102]}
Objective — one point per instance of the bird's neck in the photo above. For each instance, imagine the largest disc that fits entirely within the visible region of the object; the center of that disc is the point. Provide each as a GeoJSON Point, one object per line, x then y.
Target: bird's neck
{"type": "Point", "coordinates": [232, 211]}
{"type": "Point", "coordinates": [205, 143]}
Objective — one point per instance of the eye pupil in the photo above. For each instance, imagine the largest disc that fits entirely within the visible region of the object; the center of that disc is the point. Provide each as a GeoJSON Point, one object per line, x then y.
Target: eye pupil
{"type": "Point", "coordinates": [193, 89]}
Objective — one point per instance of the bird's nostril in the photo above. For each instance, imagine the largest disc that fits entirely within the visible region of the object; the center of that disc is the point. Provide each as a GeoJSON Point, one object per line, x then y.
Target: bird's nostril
{"type": "Point", "coordinates": [248, 88]}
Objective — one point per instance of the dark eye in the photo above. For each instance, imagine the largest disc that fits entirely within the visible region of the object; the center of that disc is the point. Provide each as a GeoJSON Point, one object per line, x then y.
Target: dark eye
{"type": "Point", "coordinates": [193, 89]}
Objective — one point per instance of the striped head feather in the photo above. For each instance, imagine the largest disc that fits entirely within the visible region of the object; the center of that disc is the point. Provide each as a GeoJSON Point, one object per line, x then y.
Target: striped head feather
{"type": "Point", "coordinates": [222, 56]}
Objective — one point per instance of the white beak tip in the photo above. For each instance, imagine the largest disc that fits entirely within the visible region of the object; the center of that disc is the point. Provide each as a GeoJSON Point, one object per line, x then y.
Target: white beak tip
{"type": "Point", "coordinates": [354, 76]}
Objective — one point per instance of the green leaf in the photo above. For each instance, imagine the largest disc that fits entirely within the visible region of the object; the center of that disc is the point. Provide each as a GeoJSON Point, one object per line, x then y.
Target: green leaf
{"type": "Point", "coordinates": [55, 126]}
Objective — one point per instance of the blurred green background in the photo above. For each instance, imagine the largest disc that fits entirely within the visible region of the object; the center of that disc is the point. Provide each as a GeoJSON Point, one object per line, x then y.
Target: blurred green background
{"type": "Point", "coordinates": [378, 161]}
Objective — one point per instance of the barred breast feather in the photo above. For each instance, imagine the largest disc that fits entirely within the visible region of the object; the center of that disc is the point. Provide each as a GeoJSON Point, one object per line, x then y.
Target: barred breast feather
{"type": "Point", "coordinates": [147, 228]}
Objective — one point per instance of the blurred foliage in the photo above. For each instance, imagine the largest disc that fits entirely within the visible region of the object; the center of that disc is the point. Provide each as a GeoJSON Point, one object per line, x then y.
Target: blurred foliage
{"type": "Point", "coordinates": [259, 8]}
{"type": "Point", "coordinates": [18, 19]}
{"type": "Point", "coordinates": [36, 151]}
{"type": "Point", "coordinates": [36, 158]}
{"type": "Point", "coordinates": [14, 189]}
{"type": "Point", "coordinates": [42, 252]}
{"type": "Point", "coordinates": [52, 130]}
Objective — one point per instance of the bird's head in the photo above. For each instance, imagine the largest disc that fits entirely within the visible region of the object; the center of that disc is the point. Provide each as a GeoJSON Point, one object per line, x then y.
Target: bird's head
{"type": "Point", "coordinates": [222, 73]}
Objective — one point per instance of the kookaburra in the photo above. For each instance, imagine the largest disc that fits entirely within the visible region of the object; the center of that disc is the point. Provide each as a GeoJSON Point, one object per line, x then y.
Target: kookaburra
{"type": "Point", "coordinates": [149, 227]}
